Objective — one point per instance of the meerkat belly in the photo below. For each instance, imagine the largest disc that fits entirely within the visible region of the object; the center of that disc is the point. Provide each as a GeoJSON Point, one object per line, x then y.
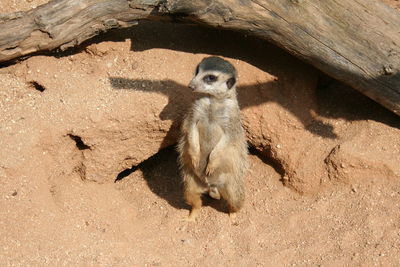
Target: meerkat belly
{"type": "Point", "coordinates": [209, 135]}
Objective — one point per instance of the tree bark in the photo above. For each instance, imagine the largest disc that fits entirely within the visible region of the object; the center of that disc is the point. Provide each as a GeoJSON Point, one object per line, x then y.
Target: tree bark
{"type": "Point", "coordinates": [354, 41]}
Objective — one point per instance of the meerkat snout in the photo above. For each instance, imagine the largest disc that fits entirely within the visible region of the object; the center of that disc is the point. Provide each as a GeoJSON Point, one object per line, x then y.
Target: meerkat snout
{"type": "Point", "coordinates": [192, 86]}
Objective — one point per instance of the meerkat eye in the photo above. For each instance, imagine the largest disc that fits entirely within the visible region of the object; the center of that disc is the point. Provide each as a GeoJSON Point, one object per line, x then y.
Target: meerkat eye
{"type": "Point", "coordinates": [197, 71]}
{"type": "Point", "coordinates": [210, 78]}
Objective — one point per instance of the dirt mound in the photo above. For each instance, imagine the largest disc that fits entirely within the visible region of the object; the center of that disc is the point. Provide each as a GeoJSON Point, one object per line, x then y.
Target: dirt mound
{"type": "Point", "coordinates": [88, 169]}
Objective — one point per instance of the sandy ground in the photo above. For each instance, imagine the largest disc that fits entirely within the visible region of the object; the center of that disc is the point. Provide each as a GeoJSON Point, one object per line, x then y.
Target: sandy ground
{"type": "Point", "coordinates": [50, 216]}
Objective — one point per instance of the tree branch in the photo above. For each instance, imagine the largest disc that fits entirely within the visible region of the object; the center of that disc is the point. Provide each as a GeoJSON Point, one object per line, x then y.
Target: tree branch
{"type": "Point", "coordinates": [354, 41]}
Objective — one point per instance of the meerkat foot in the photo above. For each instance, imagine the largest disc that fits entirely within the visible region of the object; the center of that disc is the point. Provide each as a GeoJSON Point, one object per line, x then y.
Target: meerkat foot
{"type": "Point", "coordinates": [233, 218]}
{"type": "Point", "coordinates": [214, 193]}
{"type": "Point", "coordinates": [192, 215]}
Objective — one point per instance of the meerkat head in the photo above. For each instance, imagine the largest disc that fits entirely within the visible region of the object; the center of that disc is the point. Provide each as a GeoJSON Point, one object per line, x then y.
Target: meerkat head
{"type": "Point", "coordinates": [214, 76]}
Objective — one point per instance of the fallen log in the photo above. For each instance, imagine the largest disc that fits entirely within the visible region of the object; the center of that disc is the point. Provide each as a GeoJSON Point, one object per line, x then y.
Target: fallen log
{"type": "Point", "coordinates": [354, 41]}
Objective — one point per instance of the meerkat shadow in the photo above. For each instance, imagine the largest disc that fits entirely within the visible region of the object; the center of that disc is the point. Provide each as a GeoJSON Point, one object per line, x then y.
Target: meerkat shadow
{"type": "Point", "coordinates": [217, 204]}
{"type": "Point", "coordinates": [162, 176]}
{"type": "Point", "coordinates": [179, 100]}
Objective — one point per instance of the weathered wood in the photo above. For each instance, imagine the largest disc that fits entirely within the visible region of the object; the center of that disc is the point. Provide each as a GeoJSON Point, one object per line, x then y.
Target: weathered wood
{"type": "Point", "coordinates": [354, 41]}
{"type": "Point", "coordinates": [63, 24]}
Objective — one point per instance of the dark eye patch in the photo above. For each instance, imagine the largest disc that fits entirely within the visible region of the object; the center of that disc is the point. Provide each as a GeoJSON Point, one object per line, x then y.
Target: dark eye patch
{"type": "Point", "coordinates": [210, 78]}
{"type": "Point", "coordinates": [197, 70]}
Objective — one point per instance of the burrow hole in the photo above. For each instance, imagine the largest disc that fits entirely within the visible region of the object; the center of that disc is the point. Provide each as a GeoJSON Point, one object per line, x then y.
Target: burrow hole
{"type": "Point", "coordinates": [161, 156]}
{"type": "Point", "coordinates": [37, 86]}
{"type": "Point", "coordinates": [78, 141]}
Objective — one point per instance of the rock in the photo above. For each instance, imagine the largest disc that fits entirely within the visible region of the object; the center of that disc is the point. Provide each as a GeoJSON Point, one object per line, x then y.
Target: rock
{"type": "Point", "coordinates": [116, 120]}
{"type": "Point", "coordinates": [298, 126]}
{"type": "Point", "coordinates": [278, 117]}
{"type": "Point", "coordinates": [132, 130]}
{"type": "Point", "coordinates": [374, 153]}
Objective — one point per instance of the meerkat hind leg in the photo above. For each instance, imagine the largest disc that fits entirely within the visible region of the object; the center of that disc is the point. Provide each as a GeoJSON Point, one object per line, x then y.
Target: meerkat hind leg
{"type": "Point", "coordinates": [194, 212]}
{"type": "Point", "coordinates": [193, 192]}
{"type": "Point", "coordinates": [234, 200]}
{"type": "Point", "coordinates": [194, 200]}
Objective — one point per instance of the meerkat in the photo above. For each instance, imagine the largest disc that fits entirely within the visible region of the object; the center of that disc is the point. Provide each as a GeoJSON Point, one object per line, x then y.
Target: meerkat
{"type": "Point", "coordinates": [212, 147]}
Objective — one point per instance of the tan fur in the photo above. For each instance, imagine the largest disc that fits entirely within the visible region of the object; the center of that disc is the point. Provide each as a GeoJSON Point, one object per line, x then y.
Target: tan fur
{"type": "Point", "coordinates": [212, 147]}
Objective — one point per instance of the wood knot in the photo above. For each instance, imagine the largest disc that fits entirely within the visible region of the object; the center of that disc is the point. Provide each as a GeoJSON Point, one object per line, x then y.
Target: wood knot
{"type": "Point", "coordinates": [111, 23]}
{"type": "Point", "coordinates": [388, 69]}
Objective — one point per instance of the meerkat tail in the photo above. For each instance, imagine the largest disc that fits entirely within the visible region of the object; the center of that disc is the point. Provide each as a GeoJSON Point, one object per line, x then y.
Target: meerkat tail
{"type": "Point", "coordinates": [234, 195]}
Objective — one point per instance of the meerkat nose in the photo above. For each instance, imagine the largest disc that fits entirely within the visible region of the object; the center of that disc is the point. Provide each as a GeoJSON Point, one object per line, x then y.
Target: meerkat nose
{"type": "Point", "coordinates": [191, 86]}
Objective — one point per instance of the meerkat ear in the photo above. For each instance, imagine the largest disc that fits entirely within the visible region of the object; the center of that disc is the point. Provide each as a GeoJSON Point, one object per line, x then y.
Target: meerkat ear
{"type": "Point", "coordinates": [231, 82]}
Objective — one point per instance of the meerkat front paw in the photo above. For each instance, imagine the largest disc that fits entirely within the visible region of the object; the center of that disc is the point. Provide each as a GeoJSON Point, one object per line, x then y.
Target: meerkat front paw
{"type": "Point", "coordinates": [195, 162]}
{"type": "Point", "coordinates": [195, 158]}
{"type": "Point", "coordinates": [211, 166]}
{"type": "Point", "coordinates": [210, 169]}
{"type": "Point", "coordinates": [213, 162]}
